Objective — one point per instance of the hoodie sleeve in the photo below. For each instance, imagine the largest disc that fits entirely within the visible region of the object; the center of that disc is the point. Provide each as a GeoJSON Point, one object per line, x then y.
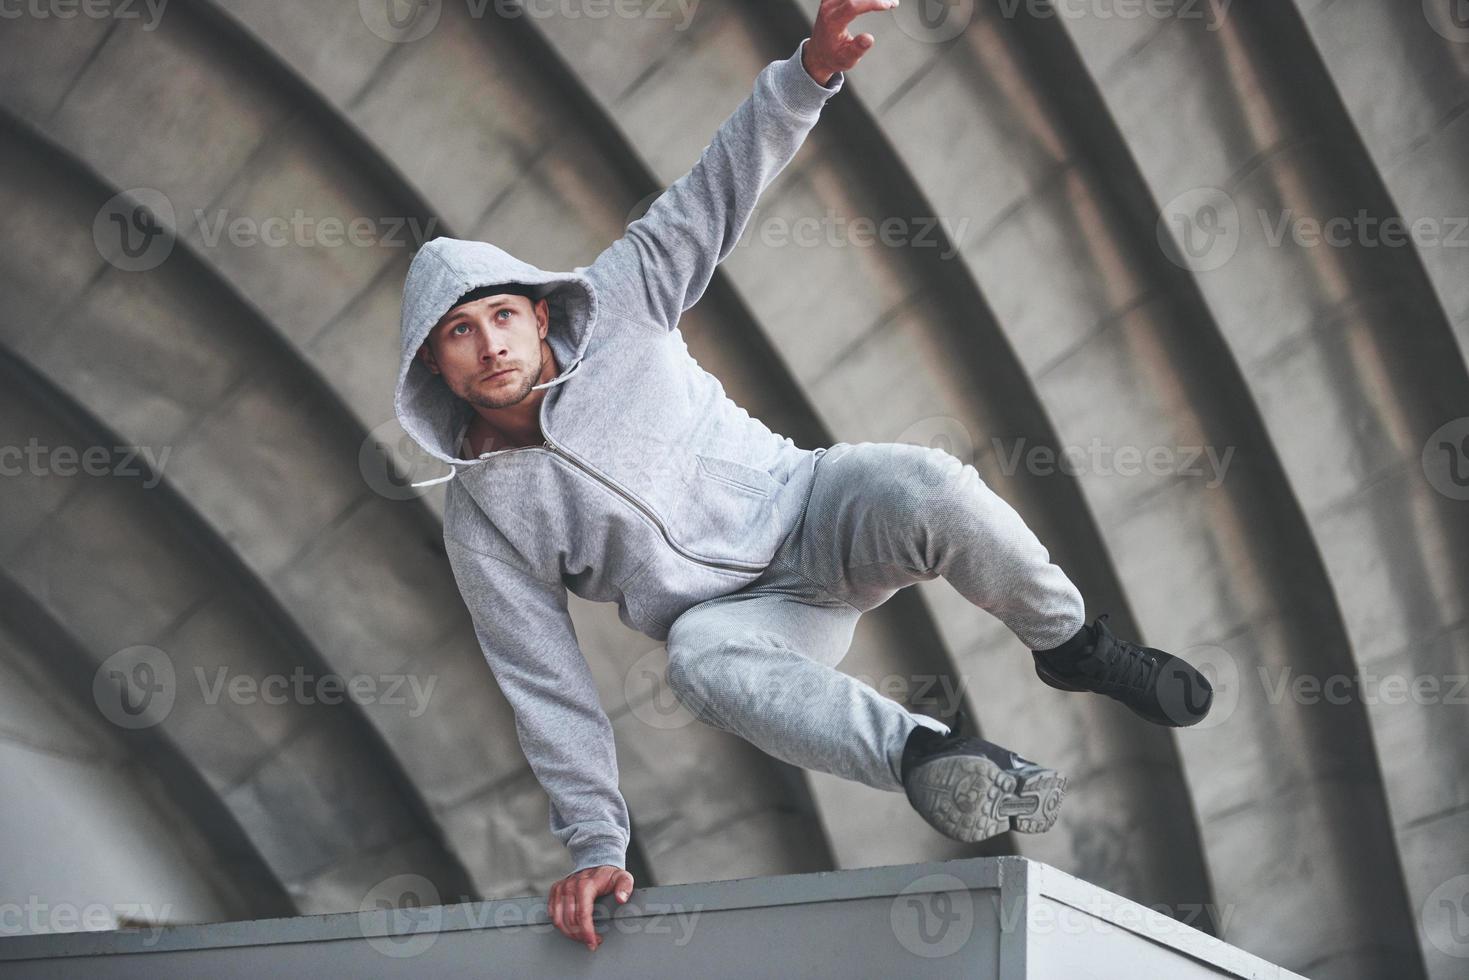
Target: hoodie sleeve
{"type": "Point", "coordinates": [526, 635]}
{"type": "Point", "coordinates": [663, 263]}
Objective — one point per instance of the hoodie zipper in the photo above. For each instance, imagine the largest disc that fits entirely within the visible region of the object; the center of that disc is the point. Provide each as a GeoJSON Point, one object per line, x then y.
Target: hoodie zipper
{"type": "Point", "coordinates": [566, 454]}
{"type": "Point", "coordinates": [569, 457]}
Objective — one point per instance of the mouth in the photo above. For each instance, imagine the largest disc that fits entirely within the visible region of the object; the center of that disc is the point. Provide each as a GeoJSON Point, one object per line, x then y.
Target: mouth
{"type": "Point", "coordinates": [498, 374]}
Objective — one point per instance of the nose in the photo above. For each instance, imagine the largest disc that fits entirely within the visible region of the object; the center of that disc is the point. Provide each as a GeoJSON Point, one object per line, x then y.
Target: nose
{"type": "Point", "coordinates": [490, 349]}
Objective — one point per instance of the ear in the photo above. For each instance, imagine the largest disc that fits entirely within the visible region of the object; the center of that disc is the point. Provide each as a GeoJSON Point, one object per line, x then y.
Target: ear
{"type": "Point", "coordinates": [426, 355]}
{"type": "Point", "coordinates": [543, 316]}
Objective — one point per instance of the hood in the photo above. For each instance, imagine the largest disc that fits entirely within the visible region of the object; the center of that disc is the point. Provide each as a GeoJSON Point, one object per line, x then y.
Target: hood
{"type": "Point", "coordinates": [443, 270]}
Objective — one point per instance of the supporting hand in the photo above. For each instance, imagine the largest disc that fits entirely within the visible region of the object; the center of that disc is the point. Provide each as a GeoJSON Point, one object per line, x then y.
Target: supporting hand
{"type": "Point", "coordinates": [571, 901]}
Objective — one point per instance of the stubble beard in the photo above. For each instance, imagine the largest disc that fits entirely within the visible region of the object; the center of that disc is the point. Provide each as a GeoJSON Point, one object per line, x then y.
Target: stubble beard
{"type": "Point", "coordinates": [480, 399]}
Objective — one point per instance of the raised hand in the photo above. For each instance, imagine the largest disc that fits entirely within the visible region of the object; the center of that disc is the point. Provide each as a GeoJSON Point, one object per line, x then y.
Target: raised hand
{"type": "Point", "coordinates": [831, 49]}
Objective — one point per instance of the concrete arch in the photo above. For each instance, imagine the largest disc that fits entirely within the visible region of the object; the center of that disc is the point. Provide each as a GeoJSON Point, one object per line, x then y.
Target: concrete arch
{"type": "Point", "coordinates": [123, 562]}
{"type": "Point", "coordinates": [1408, 96]}
{"type": "Point", "coordinates": [1052, 315]}
{"type": "Point", "coordinates": [126, 785]}
{"type": "Point", "coordinates": [1319, 335]}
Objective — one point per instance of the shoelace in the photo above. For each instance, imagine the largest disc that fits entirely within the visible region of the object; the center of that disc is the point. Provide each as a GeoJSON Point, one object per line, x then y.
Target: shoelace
{"type": "Point", "coordinates": [1124, 664]}
{"type": "Point", "coordinates": [960, 729]}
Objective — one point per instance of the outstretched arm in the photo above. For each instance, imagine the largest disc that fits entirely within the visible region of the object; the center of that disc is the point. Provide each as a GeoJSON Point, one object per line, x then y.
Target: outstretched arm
{"type": "Point", "coordinates": [663, 263]}
{"type": "Point", "coordinates": [527, 637]}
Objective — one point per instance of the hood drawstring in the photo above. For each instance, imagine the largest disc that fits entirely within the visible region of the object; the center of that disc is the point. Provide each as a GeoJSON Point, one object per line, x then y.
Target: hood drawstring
{"type": "Point", "coordinates": [560, 377]}
{"type": "Point", "coordinates": [453, 472]}
{"type": "Point", "coordinates": [454, 466]}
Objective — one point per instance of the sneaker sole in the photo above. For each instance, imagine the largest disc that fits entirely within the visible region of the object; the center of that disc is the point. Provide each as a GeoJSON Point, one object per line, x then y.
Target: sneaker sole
{"type": "Point", "coordinates": [970, 798]}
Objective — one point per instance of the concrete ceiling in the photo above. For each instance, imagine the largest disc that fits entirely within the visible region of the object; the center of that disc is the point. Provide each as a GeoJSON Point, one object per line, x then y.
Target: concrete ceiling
{"type": "Point", "coordinates": [1091, 259]}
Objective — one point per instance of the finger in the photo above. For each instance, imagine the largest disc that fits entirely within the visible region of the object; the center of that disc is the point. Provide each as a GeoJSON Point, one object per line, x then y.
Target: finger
{"type": "Point", "coordinates": [568, 899]}
{"type": "Point", "coordinates": [846, 13]}
{"type": "Point", "coordinates": [553, 906]}
{"type": "Point", "coordinates": [566, 913]}
{"type": "Point", "coordinates": [584, 911]}
{"type": "Point", "coordinates": [570, 909]}
{"type": "Point", "coordinates": [624, 884]}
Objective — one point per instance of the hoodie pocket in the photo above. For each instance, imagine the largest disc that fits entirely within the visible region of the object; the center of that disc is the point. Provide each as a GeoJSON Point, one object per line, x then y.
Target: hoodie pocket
{"type": "Point", "coordinates": [737, 475]}
{"type": "Point", "coordinates": [726, 513]}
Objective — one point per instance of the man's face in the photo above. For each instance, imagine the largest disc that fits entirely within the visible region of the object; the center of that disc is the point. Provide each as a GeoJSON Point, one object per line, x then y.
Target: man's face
{"type": "Point", "coordinates": [490, 352]}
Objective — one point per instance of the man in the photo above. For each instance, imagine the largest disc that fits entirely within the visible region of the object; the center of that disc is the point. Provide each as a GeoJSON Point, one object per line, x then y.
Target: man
{"type": "Point", "coordinates": [589, 452]}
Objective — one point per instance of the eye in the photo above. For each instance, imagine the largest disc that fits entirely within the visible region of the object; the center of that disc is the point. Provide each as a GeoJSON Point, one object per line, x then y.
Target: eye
{"type": "Point", "coordinates": [506, 312]}
{"type": "Point", "coordinates": [459, 329]}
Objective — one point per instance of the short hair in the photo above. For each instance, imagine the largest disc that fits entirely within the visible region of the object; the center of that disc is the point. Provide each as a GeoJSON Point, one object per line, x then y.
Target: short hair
{"type": "Point", "coordinates": [511, 288]}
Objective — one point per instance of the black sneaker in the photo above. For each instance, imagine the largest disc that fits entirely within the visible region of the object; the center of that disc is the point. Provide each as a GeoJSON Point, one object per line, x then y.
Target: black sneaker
{"type": "Point", "coordinates": [969, 789]}
{"type": "Point", "coordinates": [1157, 686]}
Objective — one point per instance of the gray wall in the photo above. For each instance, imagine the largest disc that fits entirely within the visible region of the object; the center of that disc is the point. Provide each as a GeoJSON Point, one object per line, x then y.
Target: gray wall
{"type": "Point", "coordinates": [1102, 241]}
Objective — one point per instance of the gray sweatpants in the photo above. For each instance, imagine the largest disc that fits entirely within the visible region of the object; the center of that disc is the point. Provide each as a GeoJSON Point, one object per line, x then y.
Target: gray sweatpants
{"type": "Point", "coordinates": [761, 662]}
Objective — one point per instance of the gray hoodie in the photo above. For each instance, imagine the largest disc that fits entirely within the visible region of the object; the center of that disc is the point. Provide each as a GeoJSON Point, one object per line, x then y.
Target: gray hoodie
{"type": "Point", "coordinates": [652, 490]}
